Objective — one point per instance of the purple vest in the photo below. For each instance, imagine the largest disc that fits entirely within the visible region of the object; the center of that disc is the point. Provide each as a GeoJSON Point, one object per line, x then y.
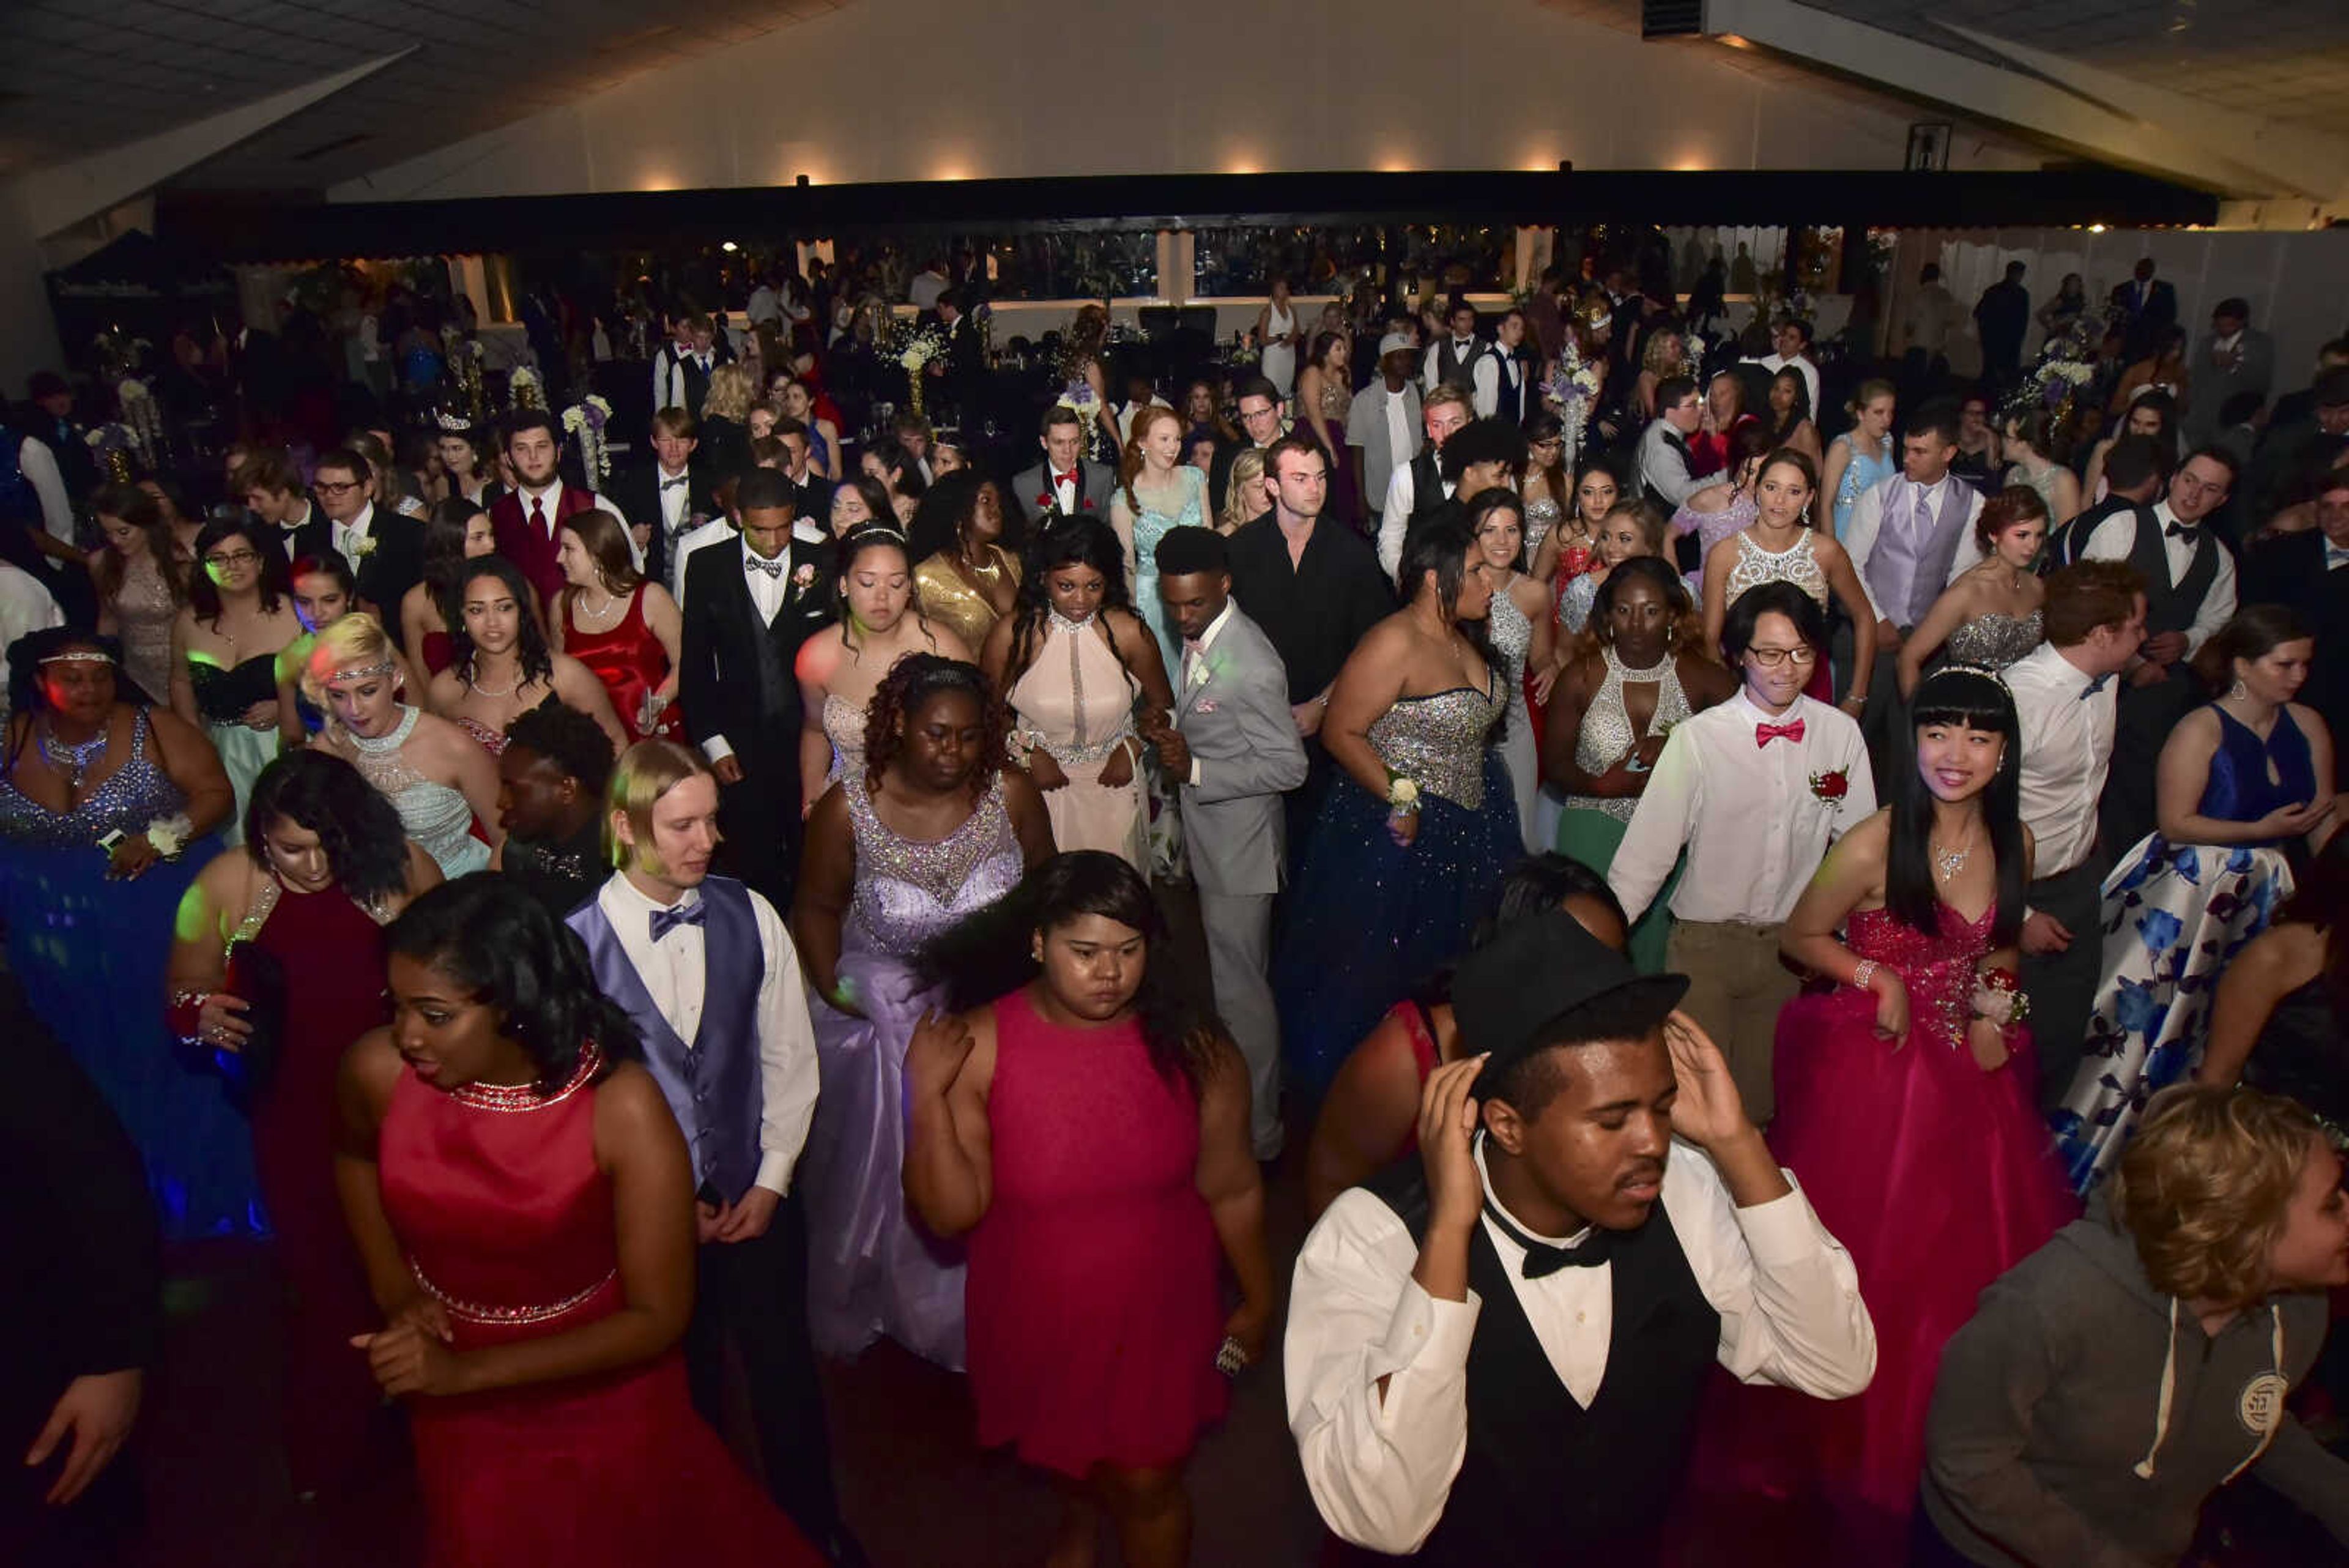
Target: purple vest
{"type": "Point", "coordinates": [711, 1085]}
{"type": "Point", "coordinates": [1910, 565]}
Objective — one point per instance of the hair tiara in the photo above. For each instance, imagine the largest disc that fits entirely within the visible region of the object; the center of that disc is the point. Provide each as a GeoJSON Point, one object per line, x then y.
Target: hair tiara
{"type": "Point", "coordinates": [1984, 670]}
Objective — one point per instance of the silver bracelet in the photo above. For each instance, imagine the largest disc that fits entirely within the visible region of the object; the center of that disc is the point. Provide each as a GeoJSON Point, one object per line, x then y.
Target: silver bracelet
{"type": "Point", "coordinates": [1863, 974]}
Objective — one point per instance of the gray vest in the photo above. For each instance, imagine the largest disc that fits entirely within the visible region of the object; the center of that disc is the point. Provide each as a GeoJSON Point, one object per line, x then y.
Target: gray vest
{"type": "Point", "coordinates": [1910, 565]}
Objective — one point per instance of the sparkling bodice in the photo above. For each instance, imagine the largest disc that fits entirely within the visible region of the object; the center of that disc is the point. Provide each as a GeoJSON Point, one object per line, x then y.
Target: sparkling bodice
{"type": "Point", "coordinates": [1796, 564]}
{"type": "Point", "coordinates": [1995, 641]}
{"type": "Point", "coordinates": [1337, 401]}
{"type": "Point", "coordinates": [908, 890]}
{"type": "Point", "coordinates": [224, 692]}
{"type": "Point", "coordinates": [1607, 735]}
{"type": "Point", "coordinates": [1438, 740]}
{"type": "Point", "coordinates": [1076, 696]}
{"type": "Point", "coordinates": [2043, 481]}
{"type": "Point", "coordinates": [1937, 970]}
{"type": "Point", "coordinates": [843, 725]}
{"type": "Point", "coordinates": [130, 797]}
{"type": "Point", "coordinates": [144, 611]}
{"type": "Point", "coordinates": [1512, 633]}
{"type": "Point", "coordinates": [1541, 517]}
{"type": "Point", "coordinates": [1864, 472]}
{"type": "Point", "coordinates": [437, 817]}
{"type": "Point", "coordinates": [1574, 605]}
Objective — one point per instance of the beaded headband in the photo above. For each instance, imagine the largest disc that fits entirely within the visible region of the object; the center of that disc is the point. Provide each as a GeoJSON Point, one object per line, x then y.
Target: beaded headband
{"type": "Point", "coordinates": [79, 656]}
{"type": "Point", "coordinates": [362, 672]}
{"type": "Point", "coordinates": [1984, 670]}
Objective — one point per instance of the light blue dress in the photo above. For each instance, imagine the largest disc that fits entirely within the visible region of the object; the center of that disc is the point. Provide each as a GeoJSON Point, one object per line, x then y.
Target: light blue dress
{"type": "Point", "coordinates": [1862, 473]}
{"type": "Point", "coordinates": [1150, 525]}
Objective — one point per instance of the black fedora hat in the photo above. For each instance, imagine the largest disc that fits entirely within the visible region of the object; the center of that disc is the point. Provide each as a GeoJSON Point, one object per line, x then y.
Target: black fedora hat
{"type": "Point", "coordinates": [1524, 989]}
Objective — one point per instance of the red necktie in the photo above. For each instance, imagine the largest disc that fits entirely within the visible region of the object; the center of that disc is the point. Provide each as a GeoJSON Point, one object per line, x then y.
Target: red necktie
{"type": "Point", "coordinates": [1766, 733]}
{"type": "Point", "coordinates": [538, 514]}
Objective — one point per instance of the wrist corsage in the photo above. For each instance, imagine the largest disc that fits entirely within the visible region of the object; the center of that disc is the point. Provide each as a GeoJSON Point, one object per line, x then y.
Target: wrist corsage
{"type": "Point", "coordinates": [1999, 996]}
{"type": "Point", "coordinates": [170, 835]}
{"type": "Point", "coordinates": [1402, 796]}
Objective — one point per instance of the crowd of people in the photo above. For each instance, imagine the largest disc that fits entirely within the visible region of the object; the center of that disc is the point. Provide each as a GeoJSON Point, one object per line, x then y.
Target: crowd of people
{"type": "Point", "coordinates": [1800, 939]}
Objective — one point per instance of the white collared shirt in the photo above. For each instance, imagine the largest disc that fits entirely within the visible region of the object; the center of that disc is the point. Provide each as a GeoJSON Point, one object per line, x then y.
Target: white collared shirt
{"type": "Point", "coordinates": [674, 493]}
{"type": "Point", "coordinates": [1394, 522]}
{"type": "Point", "coordinates": [39, 466]}
{"type": "Point", "coordinates": [1064, 490]}
{"type": "Point", "coordinates": [2115, 538]}
{"type": "Point", "coordinates": [1751, 816]}
{"type": "Point", "coordinates": [693, 539]}
{"type": "Point", "coordinates": [676, 974]}
{"type": "Point", "coordinates": [1380, 1468]}
{"type": "Point", "coordinates": [349, 535]}
{"type": "Point", "coordinates": [1207, 640]}
{"type": "Point", "coordinates": [2067, 747]}
{"type": "Point", "coordinates": [768, 589]}
{"type": "Point", "coordinates": [1867, 521]}
{"type": "Point", "coordinates": [289, 534]}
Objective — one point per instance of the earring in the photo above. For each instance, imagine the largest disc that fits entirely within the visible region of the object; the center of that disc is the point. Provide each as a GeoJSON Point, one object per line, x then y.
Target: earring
{"type": "Point", "coordinates": [2238, 691]}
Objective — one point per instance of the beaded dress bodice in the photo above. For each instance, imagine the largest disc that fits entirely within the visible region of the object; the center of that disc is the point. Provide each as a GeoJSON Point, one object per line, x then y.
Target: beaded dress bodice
{"type": "Point", "coordinates": [1796, 564]}
{"type": "Point", "coordinates": [1438, 740]}
{"type": "Point", "coordinates": [1607, 735]}
{"type": "Point", "coordinates": [130, 797]}
{"type": "Point", "coordinates": [843, 725]}
{"type": "Point", "coordinates": [1541, 517]}
{"type": "Point", "coordinates": [1995, 641]}
{"type": "Point", "coordinates": [144, 611]}
{"type": "Point", "coordinates": [1512, 633]}
{"type": "Point", "coordinates": [1937, 970]}
{"type": "Point", "coordinates": [435, 815]}
{"type": "Point", "coordinates": [909, 890]}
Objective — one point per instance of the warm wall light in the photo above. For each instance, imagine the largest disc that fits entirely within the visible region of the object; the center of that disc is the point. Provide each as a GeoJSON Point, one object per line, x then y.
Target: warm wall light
{"type": "Point", "coordinates": [2095, 228]}
{"type": "Point", "coordinates": [728, 246]}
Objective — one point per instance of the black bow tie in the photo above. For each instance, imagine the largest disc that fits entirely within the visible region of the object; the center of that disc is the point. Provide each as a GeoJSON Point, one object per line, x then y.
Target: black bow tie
{"type": "Point", "coordinates": [773, 569]}
{"type": "Point", "coordinates": [2093, 687]}
{"type": "Point", "coordinates": [676, 483]}
{"type": "Point", "coordinates": [2181, 531]}
{"type": "Point", "coordinates": [1542, 1260]}
{"type": "Point", "coordinates": [668, 920]}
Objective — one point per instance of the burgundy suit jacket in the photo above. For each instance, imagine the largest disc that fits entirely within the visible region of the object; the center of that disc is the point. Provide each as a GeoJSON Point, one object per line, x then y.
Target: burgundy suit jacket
{"type": "Point", "coordinates": [533, 549]}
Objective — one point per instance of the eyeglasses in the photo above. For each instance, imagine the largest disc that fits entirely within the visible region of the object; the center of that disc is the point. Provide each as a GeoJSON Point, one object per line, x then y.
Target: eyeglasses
{"type": "Point", "coordinates": [331, 487]}
{"type": "Point", "coordinates": [231, 558]}
{"type": "Point", "coordinates": [1777, 657]}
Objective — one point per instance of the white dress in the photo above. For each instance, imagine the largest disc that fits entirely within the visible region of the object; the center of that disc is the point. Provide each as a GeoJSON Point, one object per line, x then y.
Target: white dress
{"type": "Point", "coordinates": [1513, 637]}
{"type": "Point", "coordinates": [1279, 360]}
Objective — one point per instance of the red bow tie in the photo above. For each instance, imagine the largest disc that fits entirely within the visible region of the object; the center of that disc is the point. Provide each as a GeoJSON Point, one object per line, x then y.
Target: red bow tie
{"type": "Point", "coordinates": [1068, 478]}
{"type": "Point", "coordinates": [1766, 733]}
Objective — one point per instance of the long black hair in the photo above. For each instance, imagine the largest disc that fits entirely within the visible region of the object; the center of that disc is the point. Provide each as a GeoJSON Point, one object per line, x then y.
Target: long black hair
{"type": "Point", "coordinates": [941, 514]}
{"type": "Point", "coordinates": [444, 552]}
{"type": "Point", "coordinates": [1972, 700]}
{"type": "Point", "coordinates": [502, 945]}
{"type": "Point", "coordinates": [354, 821]}
{"type": "Point", "coordinates": [203, 594]}
{"type": "Point", "coordinates": [1443, 544]}
{"type": "Point", "coordinates": [991, 953]}
{"type": "Point", "coordinates": [1077, 541]}
{"type": "Point", "coordinates": [530, 638]}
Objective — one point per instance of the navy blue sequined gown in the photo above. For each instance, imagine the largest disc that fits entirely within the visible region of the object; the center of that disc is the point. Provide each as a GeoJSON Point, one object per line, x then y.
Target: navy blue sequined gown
{"type": "Point", "coordinates": [1368, 919]}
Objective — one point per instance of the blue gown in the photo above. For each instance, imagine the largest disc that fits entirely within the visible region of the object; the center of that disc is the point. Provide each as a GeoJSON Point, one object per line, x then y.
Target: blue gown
{"type": "Point", "coordinates": [1862, 474]}
{"type": "Point", "coordinates": [1151, 525]}
{"type": "Point", "coordinates": [91, 954]}
{"type": "Point", "coordinates": [2175, 915]}
{"type": "Point", "coordinates": [1368, 919]}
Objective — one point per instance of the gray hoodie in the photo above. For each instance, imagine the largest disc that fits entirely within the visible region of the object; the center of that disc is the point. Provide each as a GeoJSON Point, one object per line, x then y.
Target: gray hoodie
{"type": "Point", "coordinates": [2082, 1418]}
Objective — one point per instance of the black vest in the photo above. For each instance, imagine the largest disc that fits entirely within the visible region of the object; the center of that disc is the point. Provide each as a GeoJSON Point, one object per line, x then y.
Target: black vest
{"type": "Point", "coordinates": [2169, 609]}
{"type": "Point", "coordinates": [1512, 400]}
{"type": "Point", "coordinates": [1546, 1483]}
{"type": "Point", "coordinates": [1453, 369]}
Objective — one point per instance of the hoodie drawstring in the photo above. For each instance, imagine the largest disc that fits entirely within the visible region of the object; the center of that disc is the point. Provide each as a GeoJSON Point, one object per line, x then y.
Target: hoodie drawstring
{"type": "Point", "coordinates": [2145, 1467]}
{"type": "Point", "coordinates": [2275, 1350]}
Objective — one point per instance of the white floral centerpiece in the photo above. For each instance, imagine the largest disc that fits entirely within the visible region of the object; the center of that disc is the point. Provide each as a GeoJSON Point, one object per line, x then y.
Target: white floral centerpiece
{"type": "Point", "coordinates": [585, 422]}
{"type": "Point", "coordinates": [524, 389]}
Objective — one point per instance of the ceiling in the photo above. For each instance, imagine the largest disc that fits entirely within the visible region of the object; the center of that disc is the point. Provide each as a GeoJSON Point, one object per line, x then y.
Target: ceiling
{"type": "Point", "coordinates": [71, 83]}
{"type": "Point", "coordinates": [79, 77]}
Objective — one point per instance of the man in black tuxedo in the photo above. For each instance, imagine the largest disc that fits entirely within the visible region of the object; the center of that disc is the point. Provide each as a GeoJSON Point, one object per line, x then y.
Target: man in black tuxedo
{"type": "Point", "coordinates": [810, 490]}
{"type": "Point", "coordinates": [754, 603]}
{"type": "Point", "coordinates": [2148, 306]}
{"type": "Point", "coordinates": [961, 371]}
{"type": "Point", "coordinates": [2308, 572]}
{"type": "Point", "coordinates": [2134, 476]}
{"type": "Point", "coordinates": [385, 549]}
{"type": "Point", "coordinates": [681, 369]}
{"type": "Point", "coordinates": [1258, 403]}
{"type": "Point", "coordinates": [667, 498]}
{"type": "Point", "coordinates": [1065, 481]}
{"type": "Point", "coordinates": [273, 490]}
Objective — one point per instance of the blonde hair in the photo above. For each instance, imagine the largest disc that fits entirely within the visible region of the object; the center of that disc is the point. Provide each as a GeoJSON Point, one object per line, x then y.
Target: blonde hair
{"type": "Point", "coordinates": [2204, 1187]}
{"type": "Point", "coordinates": [1445, 393]}
{"type": "Point", "coordinates": [357, 639]}
{"type": "Point", "coordinates": [644, 773]}
{"type": "Point", "coordinates": [1246, 475]}
{"type": "Point", "coordinates": [730, 394]}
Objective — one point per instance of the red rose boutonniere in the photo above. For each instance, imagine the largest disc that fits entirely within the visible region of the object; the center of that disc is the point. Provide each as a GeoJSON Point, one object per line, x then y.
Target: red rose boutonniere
{"type": "Point", "coordinates": [1831, 786]}
{"type": "Point", "coordinates": [1046, 503]}
{"type": "Point", "coordinates": [1088, 503]}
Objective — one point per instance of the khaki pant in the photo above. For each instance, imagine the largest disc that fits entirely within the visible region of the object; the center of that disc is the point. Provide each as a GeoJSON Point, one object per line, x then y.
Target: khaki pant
{"type": "Point", "coordinates": [1737, 982]}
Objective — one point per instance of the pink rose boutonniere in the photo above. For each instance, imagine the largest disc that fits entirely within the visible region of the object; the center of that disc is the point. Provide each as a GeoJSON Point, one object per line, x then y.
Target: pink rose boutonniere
{"type": "Point", "coordinates": [1831, 786]}
{"type": "Point", "coordinates": [803, 576]}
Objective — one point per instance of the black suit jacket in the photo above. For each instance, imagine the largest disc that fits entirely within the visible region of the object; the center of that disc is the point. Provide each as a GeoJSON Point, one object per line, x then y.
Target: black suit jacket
{"type": "Point", "coordinates": [2291, 571]}
{"type": "Point", "coordinates": [728, 680]}
{"type": "Point", "coordinates": [395, 565]}
{"type": "Point", "coordinates": [315, 537]}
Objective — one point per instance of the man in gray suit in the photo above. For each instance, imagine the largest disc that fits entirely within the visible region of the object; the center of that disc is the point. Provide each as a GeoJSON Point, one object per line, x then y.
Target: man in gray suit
{"type": "Point", "coordinates": [1232, 739]}
{"type": "Point", "coordinates": [1064, 483]}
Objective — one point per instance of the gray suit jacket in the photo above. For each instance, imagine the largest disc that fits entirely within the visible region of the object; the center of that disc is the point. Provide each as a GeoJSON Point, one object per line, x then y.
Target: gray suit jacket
{"type": "Point", "coordinates": [1095, 481]}
{"type": "Point", "coordinates": [1233, 710]}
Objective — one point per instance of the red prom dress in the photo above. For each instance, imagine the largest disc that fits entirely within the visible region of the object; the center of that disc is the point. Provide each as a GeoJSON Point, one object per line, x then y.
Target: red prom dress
{"type": "Point", "coordinates": [631, 663]}
{"type": "Point", "coordinates": [496, 1197]}
{"type": "Point", "coordinates": [1092, 1302]}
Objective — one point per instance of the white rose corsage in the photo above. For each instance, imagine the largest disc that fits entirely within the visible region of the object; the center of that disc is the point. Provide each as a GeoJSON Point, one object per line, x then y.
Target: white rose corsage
{"type": "Point", "coordinates": [170, 835]}
{"type": "Point", "coordinates": [1198, 673]}
{"type": "Point", "coordinates": [1402, 796]}
{"type": "Point", "coordinates": [803, 576]}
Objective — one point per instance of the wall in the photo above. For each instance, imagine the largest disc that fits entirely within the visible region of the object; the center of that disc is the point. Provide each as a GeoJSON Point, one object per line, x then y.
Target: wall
{"type": "Point", "coordinates": [925, 89]}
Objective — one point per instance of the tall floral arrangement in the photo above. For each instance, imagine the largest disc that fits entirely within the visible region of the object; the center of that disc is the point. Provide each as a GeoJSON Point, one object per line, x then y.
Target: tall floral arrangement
{"type": "Point", "coordinates": [584, 422]}
{"type": "Point", "coordinates": [1571, 393]}
{"type": "Point", "coordinates": [524, 389]}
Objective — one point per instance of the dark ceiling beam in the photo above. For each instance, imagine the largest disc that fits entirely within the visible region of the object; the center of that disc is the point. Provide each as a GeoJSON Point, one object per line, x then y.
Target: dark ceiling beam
{"type": "Point", "coordinates": [276, 230]}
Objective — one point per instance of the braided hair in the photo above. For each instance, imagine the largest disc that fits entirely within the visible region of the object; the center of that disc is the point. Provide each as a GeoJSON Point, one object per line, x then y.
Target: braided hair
{"type": "Point", "coordinates": [906, 690]}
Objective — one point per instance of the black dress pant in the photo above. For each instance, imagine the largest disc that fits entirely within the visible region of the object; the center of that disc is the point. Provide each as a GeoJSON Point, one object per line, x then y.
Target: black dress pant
{"type": "Point", "coordinates": [758, 819]}
{"type": "Point", "coordinates": [2141, 725]}
{"type": "Point", "coordinates": [753, 1295]}
{"type": "Point", "coordinates": [2062, 986]}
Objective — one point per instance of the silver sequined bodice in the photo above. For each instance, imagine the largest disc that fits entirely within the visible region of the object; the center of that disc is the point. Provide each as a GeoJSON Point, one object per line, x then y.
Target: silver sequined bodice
{"type": "Point", "coordinates": [437, 818]}
{"type": "Point", "coordinates": [843, 725]}
{"type": "Point", "coordinates": [908, 890]}
{"type": "Point", "coordinates": [1607, 735]}
{"type": "Point", "coordinates": [1756, 566]}
{"type": "Point", "coordinates": [1439, 740]}
{"type": "Point", "coordinates": [1512, 633]}
{"type": "Point", "coordinates": [1541, 517]}
{"type": "Point", "coordinates": [1995, 641]}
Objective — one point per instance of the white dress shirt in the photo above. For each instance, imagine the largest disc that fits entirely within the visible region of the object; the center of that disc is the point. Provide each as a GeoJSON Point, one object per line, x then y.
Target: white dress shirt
{"type": "Point", "coordinates": [1382, 1467]}
{"type": "Point", "coordinates": [1464, 350]}
{"type": "Point", "coordinates": [1867, 521]}
{"type": "Point", "coordinates": [1774, 362]}
{"type": "Point", "coordinates": [768, 591]}
{"type": "Point", "coordinates": [348, 535]}
{"type": "Point", "coordinates": [1402, 496]}
{"type": "Point", "coordinates": [1190, 659]}
{"type": "Point", "coordinates": [668, 376]}
{"type": "Point", "coordinates": [1486, 396]}
{"type": "Point", "coordinates": [25, 605]}
{"type": "Point", "coordinates": [1665, 462]}
{"type": "Point", "coordinates": [2067, 747]}
{"type": "Point", "coordinates": [675, 976]}
{"type": "Point", "coordinates": [39, 466]}
{"type": "Point", "coordinates": [1753, 824]}
{"type": "Point", "coordinates": [674, 493]}
{"type": "Point", "coordinates": [686, 543]}
{"type": "Point", "coordinates": [2115, 538]}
